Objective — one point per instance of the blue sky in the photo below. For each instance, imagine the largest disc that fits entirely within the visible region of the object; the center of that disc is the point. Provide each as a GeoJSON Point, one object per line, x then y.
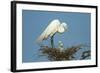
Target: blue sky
{"type": "Point", "coordinates": [34, 23]}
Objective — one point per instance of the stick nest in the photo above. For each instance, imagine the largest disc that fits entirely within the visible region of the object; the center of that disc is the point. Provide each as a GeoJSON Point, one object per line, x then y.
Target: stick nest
{"type": "Point", "coordinates": [55, 54]}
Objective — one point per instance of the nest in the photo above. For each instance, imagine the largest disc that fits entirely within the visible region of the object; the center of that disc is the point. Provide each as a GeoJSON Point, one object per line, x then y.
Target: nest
{"type": "Point", "coordinates": [55, 54]}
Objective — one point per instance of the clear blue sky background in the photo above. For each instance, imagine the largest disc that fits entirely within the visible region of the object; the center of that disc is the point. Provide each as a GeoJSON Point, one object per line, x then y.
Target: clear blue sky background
{"type": "Point", "coordinates": [34, 23]}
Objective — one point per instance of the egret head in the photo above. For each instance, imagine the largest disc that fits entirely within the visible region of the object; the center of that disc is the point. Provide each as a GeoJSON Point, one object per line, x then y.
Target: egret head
{"type": "Point", "coordinates": [62, 28]}
{"type": "Point", "coordinates": [65, 26]}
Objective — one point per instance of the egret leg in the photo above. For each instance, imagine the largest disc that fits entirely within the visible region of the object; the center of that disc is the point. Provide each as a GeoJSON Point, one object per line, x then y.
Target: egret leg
{"type": "Point", "coordinates": [52, 41]}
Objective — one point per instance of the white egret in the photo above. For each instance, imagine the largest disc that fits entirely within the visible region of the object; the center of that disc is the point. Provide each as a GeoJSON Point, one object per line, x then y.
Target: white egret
{"type": "Point", "coordinates": [60, 45]}
{"type": "Point", "coordinates": [54, 27]}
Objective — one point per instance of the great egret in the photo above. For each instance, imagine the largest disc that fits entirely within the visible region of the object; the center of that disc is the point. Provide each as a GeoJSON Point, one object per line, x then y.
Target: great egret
{"type": "Point", "coordinates": [54, 27]}
{"type": "Point", "coordinates": [60, 45]}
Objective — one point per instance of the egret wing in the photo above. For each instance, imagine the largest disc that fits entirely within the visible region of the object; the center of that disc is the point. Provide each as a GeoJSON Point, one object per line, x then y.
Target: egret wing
{"type": "Point", "coordinates": [50, 30]}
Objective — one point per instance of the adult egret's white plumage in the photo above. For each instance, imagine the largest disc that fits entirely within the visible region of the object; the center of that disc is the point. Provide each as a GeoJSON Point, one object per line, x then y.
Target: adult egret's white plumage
{"type": "Point", "coordinates": [54, 27]}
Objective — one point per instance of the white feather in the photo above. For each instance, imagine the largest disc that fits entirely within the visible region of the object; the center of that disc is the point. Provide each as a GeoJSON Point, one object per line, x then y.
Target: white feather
{"type": "Point", "coordinates": [50, 30]}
